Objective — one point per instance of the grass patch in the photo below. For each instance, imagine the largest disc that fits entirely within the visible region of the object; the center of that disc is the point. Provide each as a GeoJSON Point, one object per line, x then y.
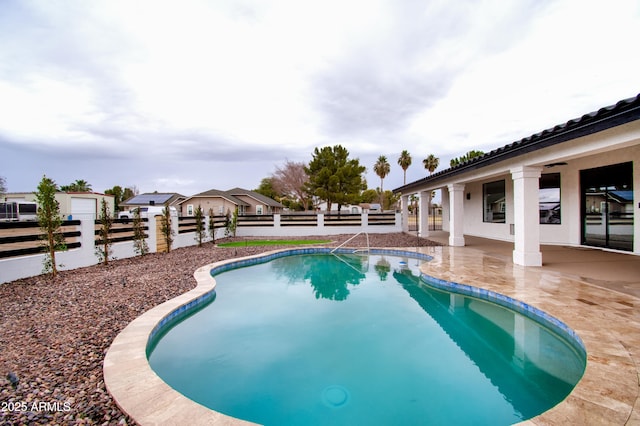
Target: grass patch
{"type": "Point", "coordinates": [271, 243]}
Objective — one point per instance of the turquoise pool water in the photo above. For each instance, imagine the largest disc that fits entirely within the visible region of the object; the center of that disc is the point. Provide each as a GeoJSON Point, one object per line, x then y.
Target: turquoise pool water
{"type": "Point", "coordinates": [361, 339]}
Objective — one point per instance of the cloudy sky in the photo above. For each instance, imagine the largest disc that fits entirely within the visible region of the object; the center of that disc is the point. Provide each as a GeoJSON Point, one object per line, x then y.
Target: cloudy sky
{"type": "Point", "coordinates": [186, 96]}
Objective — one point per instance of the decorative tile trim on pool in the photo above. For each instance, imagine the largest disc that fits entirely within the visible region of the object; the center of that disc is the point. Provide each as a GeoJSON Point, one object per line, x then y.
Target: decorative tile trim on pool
{"type": "Point", "coordinates": [520, 307]}
{"type": "Point", "coordinates": [607, 393]}
{"type": "Point", "coordinates": [525, 309]}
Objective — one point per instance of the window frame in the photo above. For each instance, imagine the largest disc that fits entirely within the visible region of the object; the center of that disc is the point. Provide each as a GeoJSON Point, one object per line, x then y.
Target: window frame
{"type": "Point", "coordinates": [550, 181]}
{"type": "Point", "coordinates": [489, 214]}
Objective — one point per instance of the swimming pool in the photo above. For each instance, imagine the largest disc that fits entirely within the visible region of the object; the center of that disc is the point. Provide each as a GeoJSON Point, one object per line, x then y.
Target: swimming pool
{"type": "Point", "coordinates": [353, 339]}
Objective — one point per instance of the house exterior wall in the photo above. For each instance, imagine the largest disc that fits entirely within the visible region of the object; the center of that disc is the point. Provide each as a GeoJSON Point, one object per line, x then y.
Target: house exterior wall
{"type": "Point", "coordinates": [65, 201]}
{"type": "Point", "coordinates": [219, 205]}
{"type": "Point", "coordinates": [253, 204]}
{"type": "Point", "coordinates": [251, 208]}
{"type": "Point", "coordinates": [616, 145]}
{"type": "Point", "coordinates": [473, 210]}
{"type": "Point", "coordinates": [569, 231]}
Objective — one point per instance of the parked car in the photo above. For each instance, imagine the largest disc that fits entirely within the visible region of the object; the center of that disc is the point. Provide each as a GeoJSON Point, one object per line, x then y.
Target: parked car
{"type": "Point", "coordinates": [146, 211]}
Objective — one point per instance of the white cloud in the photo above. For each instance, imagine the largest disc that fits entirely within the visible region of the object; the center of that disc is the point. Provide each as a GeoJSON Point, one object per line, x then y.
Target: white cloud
{"type": "Point", "coordinates": [237, 87]}
{"type": "Point", "coordinates": [556, 73]}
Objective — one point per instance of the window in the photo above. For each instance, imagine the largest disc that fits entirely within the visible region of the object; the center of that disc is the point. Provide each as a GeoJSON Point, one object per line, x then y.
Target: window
{"type": "Point", "coordinates": [493, 196]}
{"type": "Point", "coordinates": [549, 198]}
{"type": "Point", "coordinates": [189, 209]}
{"type": "Point", "coordinates": [259, 210]}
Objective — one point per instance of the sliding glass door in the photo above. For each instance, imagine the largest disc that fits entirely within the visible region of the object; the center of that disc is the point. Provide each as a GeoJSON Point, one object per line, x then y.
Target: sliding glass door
{"type": "Point", "coordinates": [607, 206]}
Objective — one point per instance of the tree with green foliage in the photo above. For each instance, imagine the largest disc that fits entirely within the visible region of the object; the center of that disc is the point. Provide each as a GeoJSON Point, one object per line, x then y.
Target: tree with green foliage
{"type": "Point", "coordinates": [334, 177]}
{"type": "Point", "coordinates": [80, 185]}
{"type": "Point", "coordinates": [165, 227]}
{"type": "Point", "coordinates": [120, 195]}
{"type": "Point", "coordinates": [117, 193]}
{"type": "Point", "coordinates": [129, 192]}
{"type": "Point", "coordinates": [404, 161]}
{"type": "Point", "coordinates": [231, 223]}
{"type": "Point", "coordinates": [266, 188]}
{"type": "Point", "coordinates": [413, 204]}
{"type": "Point", "coordinates": [139, 237]}
{"type": "Point", "coordinates": [103, 249]}
{"type": "Point", "coordinates": [50, 222]}
{"type": "Point", "coordinates": [198, 214]}
{"type": "Point", "coordinates": [389, 200]}
{"type": "Point", "coordinates": [212, 228]}
{"type": "Point", "coordinates": [466, 157]}
{"type": "Point", "coordinates": [431, 163]}
{"type": "Point", "coordinates": [294, 204]}
{"type": "Point", "coordinates": [382, 169]}
{"type": "Point", "coordinates": [368, 196]}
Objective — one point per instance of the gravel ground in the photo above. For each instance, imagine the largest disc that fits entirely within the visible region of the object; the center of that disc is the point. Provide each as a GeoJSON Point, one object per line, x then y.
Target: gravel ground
{"type": "Point", "coordinates": [54, 333]}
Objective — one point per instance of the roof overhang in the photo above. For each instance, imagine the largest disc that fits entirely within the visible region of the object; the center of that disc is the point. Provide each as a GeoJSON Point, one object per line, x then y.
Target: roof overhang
{"type": "Point", "coordinates": [623, 112]}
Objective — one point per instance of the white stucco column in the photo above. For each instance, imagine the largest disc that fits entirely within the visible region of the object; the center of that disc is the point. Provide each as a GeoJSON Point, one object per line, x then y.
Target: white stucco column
{"type": "Point", "coordinates": [456, 212]}
{"type": "Point", "coordinates": [405, 212]}
{"type": "Point", "coordinates": [445, 209]}
{"type": "Point", "coordinates": [424, 213]}
{"type": "Point", "coordinates": [526, 214]}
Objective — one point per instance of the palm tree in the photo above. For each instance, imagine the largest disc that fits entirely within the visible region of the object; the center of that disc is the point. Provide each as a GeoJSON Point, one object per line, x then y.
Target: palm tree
{"type": "Point", "coordinates": [404, 161]}
{"type": "Point", "coordinates": [466, 157]}
{"type": "Point", "coordinates": [431, 163]}
{"type": "Point", "coordinates": [382, 169]}
{"type": "Point", "coordinates": [80, 185]}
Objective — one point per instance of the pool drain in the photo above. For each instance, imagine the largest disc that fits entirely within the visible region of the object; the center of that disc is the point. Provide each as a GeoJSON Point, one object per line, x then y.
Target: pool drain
{"type": "Point", "coordinates": [335, 396]}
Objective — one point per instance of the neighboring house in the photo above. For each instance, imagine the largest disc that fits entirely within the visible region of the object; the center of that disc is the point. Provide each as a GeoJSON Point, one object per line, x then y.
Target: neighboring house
{"type": "Point", "coordinates": [370, 207]}
{"type": "Point", "coordinates": [152, 199]}
{"type": "Point", "coordinates": [575, 184]}
{"type": "Point", "coordinates": [73, 205]}
{"type": "Point", "coordinates": [223, 202]}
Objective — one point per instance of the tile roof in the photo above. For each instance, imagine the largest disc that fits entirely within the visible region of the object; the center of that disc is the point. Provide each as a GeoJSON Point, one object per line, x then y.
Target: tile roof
{"type": "Point", "coordinates": [223, 194]}
{"type": "Point", "coordinates": [266, 200]}
{"type": "Point", "coordinates": [232, 195]}
{"type": "Point", "coordinates": [625, 111]}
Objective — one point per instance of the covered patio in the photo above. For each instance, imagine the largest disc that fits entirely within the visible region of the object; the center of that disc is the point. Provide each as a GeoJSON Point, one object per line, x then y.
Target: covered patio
{"type": "Point", "coordinates": [576, 184]}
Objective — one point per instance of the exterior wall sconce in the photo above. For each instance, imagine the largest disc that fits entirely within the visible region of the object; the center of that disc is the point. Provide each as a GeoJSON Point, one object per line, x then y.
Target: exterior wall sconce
{"type": "Point", "coordinates": [548, 166]}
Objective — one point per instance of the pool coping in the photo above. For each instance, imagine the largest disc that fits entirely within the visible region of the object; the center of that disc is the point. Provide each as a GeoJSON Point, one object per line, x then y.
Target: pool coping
{"type": "Point", "coordinates": [147, 399]}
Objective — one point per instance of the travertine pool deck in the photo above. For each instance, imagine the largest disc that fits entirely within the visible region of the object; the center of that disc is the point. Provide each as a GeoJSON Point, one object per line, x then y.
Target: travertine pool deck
{"type": "Point", "coordinates": [592, 304]}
